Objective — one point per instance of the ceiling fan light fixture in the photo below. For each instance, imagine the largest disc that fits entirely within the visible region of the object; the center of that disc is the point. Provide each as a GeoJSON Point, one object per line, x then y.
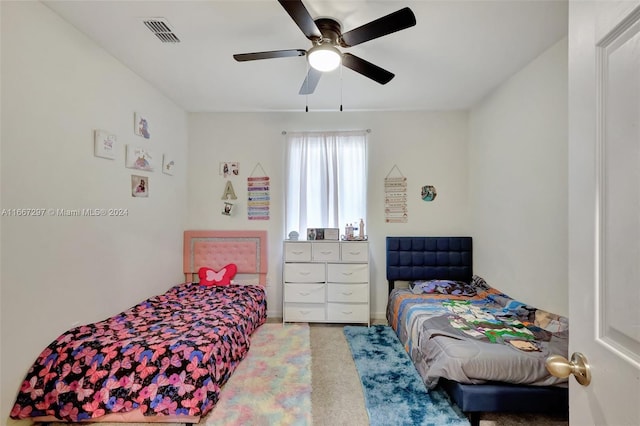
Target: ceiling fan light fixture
{"type": "Point", "coordinates": [324, 57]}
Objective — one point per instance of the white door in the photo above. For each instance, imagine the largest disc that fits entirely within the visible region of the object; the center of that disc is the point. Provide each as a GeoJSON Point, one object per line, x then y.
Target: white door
{"type": "Point", "coordinates": [604, 209]}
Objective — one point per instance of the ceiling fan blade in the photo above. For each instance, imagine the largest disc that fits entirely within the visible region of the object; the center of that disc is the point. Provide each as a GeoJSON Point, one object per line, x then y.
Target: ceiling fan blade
{"type": "Point", "coordinates": [366, 68]}
{"type": "Point", "coordinates": [396, 21]}
{"type": "Point", "coordinates": [310, 82]}
{"type": "Point", "coordinates": [240, 57]}
{"type": "Point", "coordinates": [301, 17]}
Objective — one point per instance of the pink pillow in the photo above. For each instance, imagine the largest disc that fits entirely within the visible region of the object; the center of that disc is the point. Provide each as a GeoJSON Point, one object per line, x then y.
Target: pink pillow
{"type": "Point", "coordinates": [210, 277]}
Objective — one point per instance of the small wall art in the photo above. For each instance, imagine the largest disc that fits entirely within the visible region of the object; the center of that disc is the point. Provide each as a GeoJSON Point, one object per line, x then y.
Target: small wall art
{"type": "Point", "coordinates": [229, 193]}
{"type": "Point", "coordinates": [168, 164]}
{"type": "Point", "coordinates": [139, 158]}
{"type": "Point", "coordinates": [258, 198]}
{"type": "Point", "coordinates": [227, 209]}
{"type": "Point", "coordinates": [395, 197]}
{"type": "Point", "coordinates": [139, 186]}
{"type": "Point", "coordinates": [104, 144]}
{"type": "Point", "coordinates": [141, 125]}
{"type": "Point", "coordinates": [229, 168]}
{"type": "Point", "coordinates": [428, 193]}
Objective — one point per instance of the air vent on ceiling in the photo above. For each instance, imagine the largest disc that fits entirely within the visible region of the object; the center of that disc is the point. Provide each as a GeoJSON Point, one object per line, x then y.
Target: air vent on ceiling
{"type": "Point", "coordinates": [160, 27]}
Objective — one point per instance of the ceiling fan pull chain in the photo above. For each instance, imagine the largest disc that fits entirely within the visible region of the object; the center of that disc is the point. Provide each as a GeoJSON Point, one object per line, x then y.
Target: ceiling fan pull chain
{"type": "Point", "coordinates": [306, 96]}
{"type": "Point", "coordinates": [340, 89]}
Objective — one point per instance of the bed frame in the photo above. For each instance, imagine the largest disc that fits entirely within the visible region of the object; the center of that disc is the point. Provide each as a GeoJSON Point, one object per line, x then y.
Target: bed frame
{"type": "Point", "coordinates": [215, 249]}
{"type": "Point", "coordinates": [451, 258]}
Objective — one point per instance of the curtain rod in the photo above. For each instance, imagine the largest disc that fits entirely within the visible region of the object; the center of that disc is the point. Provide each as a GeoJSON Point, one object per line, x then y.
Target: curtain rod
{"type": "Point", "coordinates": [284, 132]}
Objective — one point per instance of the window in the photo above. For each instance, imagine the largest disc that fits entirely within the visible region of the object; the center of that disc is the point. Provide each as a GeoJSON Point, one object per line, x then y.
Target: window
{"type": "Point", "coordinates": [326, 180]}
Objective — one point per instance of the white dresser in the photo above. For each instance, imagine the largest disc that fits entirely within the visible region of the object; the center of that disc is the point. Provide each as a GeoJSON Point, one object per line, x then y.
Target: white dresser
{"type": "Point", "coordinates": [326, 281]}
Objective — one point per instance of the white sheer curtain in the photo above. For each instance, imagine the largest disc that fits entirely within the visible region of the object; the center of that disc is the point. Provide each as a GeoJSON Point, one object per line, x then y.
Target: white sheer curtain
{"type": "Point", "coordinates": [326, 180]}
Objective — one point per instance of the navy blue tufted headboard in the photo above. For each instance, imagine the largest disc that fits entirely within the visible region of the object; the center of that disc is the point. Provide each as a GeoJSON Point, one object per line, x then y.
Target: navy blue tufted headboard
{"type": "Point", "coordinates": [429, 258]}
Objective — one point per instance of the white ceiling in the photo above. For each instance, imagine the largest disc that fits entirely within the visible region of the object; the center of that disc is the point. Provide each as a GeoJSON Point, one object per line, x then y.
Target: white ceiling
{"type": "Point", "coordinates": [456, 54]}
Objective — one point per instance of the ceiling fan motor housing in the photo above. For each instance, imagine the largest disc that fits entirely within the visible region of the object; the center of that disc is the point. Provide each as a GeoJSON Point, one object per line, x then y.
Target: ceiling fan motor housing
{"type": "Point", "coordinates": [330, 29]}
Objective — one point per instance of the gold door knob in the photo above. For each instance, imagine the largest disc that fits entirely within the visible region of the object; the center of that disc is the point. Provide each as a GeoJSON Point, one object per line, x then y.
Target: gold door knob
{"type": "Point", "coordinates": [559, 366]}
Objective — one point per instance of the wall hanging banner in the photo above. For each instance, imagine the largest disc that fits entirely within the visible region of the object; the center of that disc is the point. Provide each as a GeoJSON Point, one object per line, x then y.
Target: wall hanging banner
{"type": "Point", "coordinates": [258, 197]}
{"type": "Point", "coordinates": [395, 198]}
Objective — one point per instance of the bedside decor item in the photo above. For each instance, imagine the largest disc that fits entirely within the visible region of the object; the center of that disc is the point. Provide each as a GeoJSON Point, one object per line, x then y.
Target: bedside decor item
{"type": "Point", "coordinates": [428, 193]}
{"type": "Point", "coordinates": [395, 197]}
{"type": "Point", "coordinates": [139, 186]}
{"type": "Point", "coordinates": [323, 234]}
{"type": "Point", "coordinates": [104, 144]}
{"type": "Point", "coordinates": [139, 158]}
{"type": "Point", "coordinates": [293, 236]}
{"type": "Point", "coordinates": [141, 126]}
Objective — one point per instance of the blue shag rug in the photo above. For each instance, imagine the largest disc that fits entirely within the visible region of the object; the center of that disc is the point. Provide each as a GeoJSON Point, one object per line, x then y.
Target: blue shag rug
{"type": "Point", "coordinates": [394, 392]}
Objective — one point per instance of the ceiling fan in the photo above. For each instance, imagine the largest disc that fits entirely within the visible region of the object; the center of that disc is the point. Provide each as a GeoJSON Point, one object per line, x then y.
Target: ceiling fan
{"type": "Point", "coordinates": [326, 36]}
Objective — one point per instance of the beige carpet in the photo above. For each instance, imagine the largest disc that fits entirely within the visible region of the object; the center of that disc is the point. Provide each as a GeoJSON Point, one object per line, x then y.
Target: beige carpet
{"type": "Point", "coordinates": [336, 392]}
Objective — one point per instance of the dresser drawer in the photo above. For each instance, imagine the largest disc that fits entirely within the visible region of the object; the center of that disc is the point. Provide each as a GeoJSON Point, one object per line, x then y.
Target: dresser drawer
{"type": "Point", "coordinates": [304, 273]}
{"type": "Point", "coordinates": [302, 312]}
{"type": "Point", "coordinates": [355, 252]}
{"type": "Point", "coordinates": [345, 312]}
{"type": "Point", "coordinates": [348, 272]}
{"type": "Point", "coordinates": [297, 252]}
{"type": "Point", "coordinates": [322, 252]}
{"type": "Point", "coordinates": [348, 293]}
{"type": "Point", "coordinates": [304, 293]}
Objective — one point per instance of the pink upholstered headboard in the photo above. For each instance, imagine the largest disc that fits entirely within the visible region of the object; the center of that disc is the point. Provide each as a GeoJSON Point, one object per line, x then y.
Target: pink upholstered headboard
{"type": "Point", "coordinates": [215, 249]}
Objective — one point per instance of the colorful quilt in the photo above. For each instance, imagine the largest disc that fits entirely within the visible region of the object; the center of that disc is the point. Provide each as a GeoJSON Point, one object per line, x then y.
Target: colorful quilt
{"type": "Point", "coordinates": [487, 336]}
{"type": "Point", "coordinates": [168, 355]}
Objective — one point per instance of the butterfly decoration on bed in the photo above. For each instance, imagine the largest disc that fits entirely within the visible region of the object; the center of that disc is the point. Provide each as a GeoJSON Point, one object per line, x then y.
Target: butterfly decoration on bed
{"type": "Point", "coordinates": [211, 277]}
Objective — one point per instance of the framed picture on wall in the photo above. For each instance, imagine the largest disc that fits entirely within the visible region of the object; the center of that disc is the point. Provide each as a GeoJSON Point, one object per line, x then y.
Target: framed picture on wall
{"type": "Point", "coordinates": [139, 158]}
{"type": "Point", "coordinates": [168, 164]}
{"type": "Point", "coordinates": [139, 186]}
{"type": "Point", "coordinates": [141, 125]}
{"type": "Point", "coordinates": [104, 144]}
{"type": "Point", "coordinates": [229, 168]}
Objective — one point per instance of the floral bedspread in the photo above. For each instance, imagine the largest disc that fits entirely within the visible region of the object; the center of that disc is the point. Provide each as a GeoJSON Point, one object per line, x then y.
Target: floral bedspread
{"type": "Point", "coordinates": [168, 355]}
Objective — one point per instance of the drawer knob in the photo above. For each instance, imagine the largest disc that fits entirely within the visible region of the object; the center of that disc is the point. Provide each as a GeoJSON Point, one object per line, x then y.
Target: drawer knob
{"type": "Point", "coordinates": [304, 293]}
{"type": "Point", "coordinates": [304, 272]}
{"type": "Point", "coordinates": [353, 253]}
{"type": "Point", "coordinates": [326, 252]}
{"type": "Point", "coordinates": [305, 312]}
{"type": "Point", "coordinates": [347, 312]}
{"type": "Point", "coordinates": [347, 273]}
{"type": "Point", "coordinates": [347, 293]}
{"type": "Point", "coordinates": [297, 252]}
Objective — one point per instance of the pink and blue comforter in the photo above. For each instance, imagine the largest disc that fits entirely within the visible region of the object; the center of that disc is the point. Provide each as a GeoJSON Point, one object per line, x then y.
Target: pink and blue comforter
{"type": "Point", "coordinates": [166, 356]}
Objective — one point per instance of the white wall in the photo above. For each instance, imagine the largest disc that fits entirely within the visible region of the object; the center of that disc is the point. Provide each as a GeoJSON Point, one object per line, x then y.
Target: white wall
{"type": "Point", "coordinates": [428, 148]}
{"type": "Point", "coordinates": [518, 183]}
{"type": "Point", "coordinates": [500, 173]}
{"type": "Point", "coordinates": [57, 87]}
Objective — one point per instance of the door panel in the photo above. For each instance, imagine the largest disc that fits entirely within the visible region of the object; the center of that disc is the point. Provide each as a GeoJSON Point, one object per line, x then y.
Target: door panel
{"type": "Point", "coordinates": [618, 57]}
{"type": "Point", "coordinates": [604, 209]}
